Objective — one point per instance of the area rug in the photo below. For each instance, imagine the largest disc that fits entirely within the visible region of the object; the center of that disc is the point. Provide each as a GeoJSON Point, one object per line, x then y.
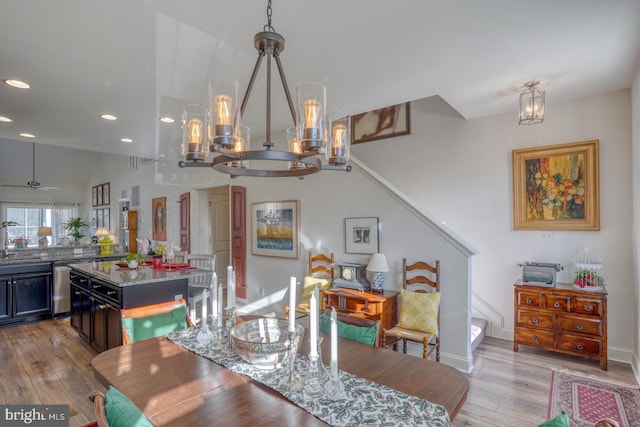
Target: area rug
{"type": "Point", "coordinates": [588, 398]}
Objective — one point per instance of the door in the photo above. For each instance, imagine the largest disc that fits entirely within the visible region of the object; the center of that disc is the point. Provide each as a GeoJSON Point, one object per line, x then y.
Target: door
{"type": "Point", "coordinates": [219, 214]}
{"type": "Point", "coordinates": [185, 225]}
{"type": "Point", "coordinates": [239, 238]}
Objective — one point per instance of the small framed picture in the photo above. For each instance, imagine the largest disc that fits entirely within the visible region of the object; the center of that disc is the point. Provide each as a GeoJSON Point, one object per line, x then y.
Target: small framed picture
{"type": "Point", "coordinates": [100, 218]}
{"type": "Point", "coordinates": [105, 218]}
{"type": "Point", "coordinates": [361, 235]}
{"type": "Point", "coordinates": [99, 198]}
{"type": "Point", "coordinates": [105, 194]}
{"type": "Point", "coordinates": [94, 196]}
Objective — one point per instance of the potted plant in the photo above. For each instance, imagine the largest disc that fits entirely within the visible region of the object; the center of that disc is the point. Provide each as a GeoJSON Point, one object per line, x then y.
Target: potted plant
{"type": "Point", "coordinates": [134, 259]}
{"type": "Point", "coordinates": [75, 227]}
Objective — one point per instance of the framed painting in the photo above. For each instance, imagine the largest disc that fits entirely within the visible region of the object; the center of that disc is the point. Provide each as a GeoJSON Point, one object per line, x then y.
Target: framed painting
{"type": "Point", "coordinates": [99, 196]}
{"type": "Point", "coordinates": [94, 196]}
{"type": "Point", "coordinates": [275, 228]}
{"type": "Point", "coordinates": [386, 122]}
{"type": "Point", "coordinates": [159, 218]}
{"type": "Point", "coordinates": [557, 187]}
{"type": "Point", "coordinates": [106, 218]}
{"type": "Point", "coordinates": [100, 218]}
{"type": "Point", "coordinates": [361, 235]}
{"type": "Point", "coordinates": [106, 190]}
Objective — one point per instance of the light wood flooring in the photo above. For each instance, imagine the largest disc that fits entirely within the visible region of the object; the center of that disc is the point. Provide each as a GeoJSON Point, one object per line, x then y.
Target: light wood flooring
{"type": "Point", "coordinates": [47, 362]}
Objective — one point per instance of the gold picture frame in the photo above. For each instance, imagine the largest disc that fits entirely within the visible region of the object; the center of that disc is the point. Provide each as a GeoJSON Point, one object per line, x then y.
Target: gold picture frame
{"type": "Point", "coordinates": [159, 218]}
{"type": "Point", "coordinates": [557, 187]}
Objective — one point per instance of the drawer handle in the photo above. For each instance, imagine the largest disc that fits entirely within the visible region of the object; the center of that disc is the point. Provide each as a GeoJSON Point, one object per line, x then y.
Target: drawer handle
{"type": "Point", "coordinates": [76, 292]}
{"type": "Point", "coordinates": [535, 337]}
{"type": "Point", "coordinates": [111, 292]}
{"type": "Point", "coordinates": [588, 307]}
{"type": "Point", "coordinates": [102, 306]}
{"type": "Point", "coordinates": [535, 320]}
{"type": "Point", "coordinates": [579, 346]}
{"type": "Point", "coordinates": [579, 326]}
{"type": "Point", "coordinates": [528, 301]}
{"type": "Point", "coordinates": [556, 304]}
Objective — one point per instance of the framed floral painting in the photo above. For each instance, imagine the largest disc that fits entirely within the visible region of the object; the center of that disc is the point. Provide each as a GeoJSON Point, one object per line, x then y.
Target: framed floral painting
{"type": "Point", "coordinates": [556, 187]}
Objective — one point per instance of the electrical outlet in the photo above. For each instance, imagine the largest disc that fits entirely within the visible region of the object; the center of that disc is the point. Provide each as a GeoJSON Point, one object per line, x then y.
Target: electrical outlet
{"type": "Point", "coordinates": [261, 291]}
{"type": "Point", "coordinates": [547, 235]}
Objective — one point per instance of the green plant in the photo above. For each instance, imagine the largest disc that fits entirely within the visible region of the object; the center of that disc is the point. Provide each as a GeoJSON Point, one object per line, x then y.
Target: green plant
{"type": "Point", "coordinates": [134, 257]}
{"type": "Point", "coordinates": [75, 227]}
{"type": "Point", "coordinates": [5, 224]}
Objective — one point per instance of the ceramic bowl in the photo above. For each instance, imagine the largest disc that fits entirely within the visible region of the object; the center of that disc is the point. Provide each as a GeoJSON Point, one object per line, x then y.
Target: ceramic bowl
{"type": "Point", "coordinates": [263, 342]}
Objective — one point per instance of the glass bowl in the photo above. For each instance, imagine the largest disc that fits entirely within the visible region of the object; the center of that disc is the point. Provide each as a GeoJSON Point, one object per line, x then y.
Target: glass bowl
{"type": "Point", "coordinates": [263, 342]}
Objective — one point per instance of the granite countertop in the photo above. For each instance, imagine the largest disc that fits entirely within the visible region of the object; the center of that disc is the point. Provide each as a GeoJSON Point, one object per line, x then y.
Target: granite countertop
{"type": "Point", "coordinates": [111, 273]}
{"type": "Point", "coordinates": [54, 254]}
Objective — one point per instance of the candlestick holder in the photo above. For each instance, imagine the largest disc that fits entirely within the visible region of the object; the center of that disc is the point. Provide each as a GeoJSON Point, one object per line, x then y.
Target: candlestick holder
{"type": "Point", "coordinates": [323, 372]}
{"type": "Point", "coordinates": [230, 316]}
{"type": "Point", "coordinates": [217, 333]}
{"type": "Point", "coordinates": [292, 380]}
{"type": "Point", "coordinates": [334, 388]}
{"type": "Point", "coordinates": [205, 335]}
{"type": "Point", "coordinates": [313, 382]}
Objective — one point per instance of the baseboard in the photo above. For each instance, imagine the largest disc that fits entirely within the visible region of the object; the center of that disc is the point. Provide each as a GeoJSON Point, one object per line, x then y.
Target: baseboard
{"type": "Point", "coordinates": [623, 355]}
{"type": "Point", "coordinates": [463, 364]}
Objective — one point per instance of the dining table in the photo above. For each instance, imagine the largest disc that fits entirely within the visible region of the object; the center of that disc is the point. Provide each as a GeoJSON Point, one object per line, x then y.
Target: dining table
{"type": "Point", "coordinates": [174, 386]}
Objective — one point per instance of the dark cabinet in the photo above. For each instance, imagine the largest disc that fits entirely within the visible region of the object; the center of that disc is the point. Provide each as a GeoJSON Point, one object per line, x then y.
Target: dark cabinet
{"type": "Point", "coordinates": [106, 331]}
{"type": "Point", "coordinates": [25, 292]}
{"type": "Point", "coordinates": [81, 311]}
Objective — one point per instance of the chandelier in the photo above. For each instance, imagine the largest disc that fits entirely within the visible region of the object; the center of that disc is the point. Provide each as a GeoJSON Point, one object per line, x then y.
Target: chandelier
{"type": "Point", "coordinates": [531, 104]}
{"type": "Point", "coordinates": [218, 129]}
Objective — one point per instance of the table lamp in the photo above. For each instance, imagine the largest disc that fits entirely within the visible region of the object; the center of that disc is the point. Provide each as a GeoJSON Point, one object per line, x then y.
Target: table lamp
{"type": "Point", "coordinates": [105, 241]}
{"type": "Point", "coordinates": [43, 232]}
{"type": "Point", "coordinates": [377, 267]}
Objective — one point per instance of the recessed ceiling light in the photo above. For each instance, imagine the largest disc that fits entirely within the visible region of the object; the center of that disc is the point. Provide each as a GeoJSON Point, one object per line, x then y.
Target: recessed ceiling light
{"type": "Point", "coordinates": [167, 120]}
{"type": "Point", "coordinates": [126, 140]}
{"type": "Point", "coordinates": [108, 116]}
{"type": "Point", "coordinates": [27, 135]}
{"type": "Point", "coordinates": [17, 83]}
{"type": "Point", "coordinates": [5, 119]}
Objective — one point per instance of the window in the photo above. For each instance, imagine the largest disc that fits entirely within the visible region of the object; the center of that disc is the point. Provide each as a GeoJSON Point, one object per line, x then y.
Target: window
{"type": "Point", "coordinates": [29, 219]}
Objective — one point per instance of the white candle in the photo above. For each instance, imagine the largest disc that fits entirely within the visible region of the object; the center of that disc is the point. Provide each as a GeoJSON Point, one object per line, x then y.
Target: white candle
{"type": "Point", "coordinates": [292, 304]}
{"type": "Point", "coordinates": [220, 305]}
{"type": "Point", "coordinates": [334, 345]}
{"type": "Point", "coordinates": [205, 292]}
{"type": "Point", "coordinates": [231, 292]}
{"type": "Point", "coordinates": [316, 313]}
{"type": "Point", "coordinates": [313, 304]}
{"type": "Point", "coordinates": [214, 295]}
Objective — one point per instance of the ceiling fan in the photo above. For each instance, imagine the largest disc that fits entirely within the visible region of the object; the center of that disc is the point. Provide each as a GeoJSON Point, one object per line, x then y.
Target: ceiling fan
{"type": "Point", "coordinates": [33, 183]}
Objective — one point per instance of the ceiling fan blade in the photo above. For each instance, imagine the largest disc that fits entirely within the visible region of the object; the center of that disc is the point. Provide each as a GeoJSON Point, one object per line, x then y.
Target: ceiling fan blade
{"type": "Point", "coordinates": [14, 185]}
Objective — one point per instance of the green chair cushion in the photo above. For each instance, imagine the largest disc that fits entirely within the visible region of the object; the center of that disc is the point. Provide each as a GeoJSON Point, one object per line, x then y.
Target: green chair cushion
{"type": "Point", "coordinates": [362, 334]}
{"type": "Point", "coordinates": [561, 420]}
{"type": "Point", "coordinates": [121, 412]}
{"type": "Point", "coordinates": [154, 326]}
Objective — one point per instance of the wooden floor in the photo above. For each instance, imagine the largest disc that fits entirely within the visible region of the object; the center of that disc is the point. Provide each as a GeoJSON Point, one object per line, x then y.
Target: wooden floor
{"type": "Point", "coordinates": [47, 362]}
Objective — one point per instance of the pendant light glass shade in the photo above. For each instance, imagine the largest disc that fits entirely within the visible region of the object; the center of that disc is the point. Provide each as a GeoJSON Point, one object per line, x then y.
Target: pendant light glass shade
{"type": "Point", "coordinates": [195, 129]}
{"type": "Point", "coordinates": [312, 102]}
{"type": "Point", "coordinates": [223, 101]}
{"type": "Point", "coordinates": [531, 105]}
{"type": "Point", "coordinates": [338, 150]}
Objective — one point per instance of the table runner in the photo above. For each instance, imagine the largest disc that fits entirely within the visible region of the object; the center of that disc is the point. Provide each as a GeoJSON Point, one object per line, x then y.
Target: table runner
{"type": "Point", "coordinates": [369, 403]}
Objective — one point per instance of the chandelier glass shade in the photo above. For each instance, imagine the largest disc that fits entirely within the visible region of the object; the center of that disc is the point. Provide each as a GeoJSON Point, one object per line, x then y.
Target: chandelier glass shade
{"type": "Point", "coordinates": [218, 129]}
{"type": "Point", "coordinates": [531, 104]}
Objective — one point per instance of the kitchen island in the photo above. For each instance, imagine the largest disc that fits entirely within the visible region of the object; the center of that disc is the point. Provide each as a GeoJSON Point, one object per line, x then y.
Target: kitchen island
{"type": "Point", "coordinates": [100, 289]}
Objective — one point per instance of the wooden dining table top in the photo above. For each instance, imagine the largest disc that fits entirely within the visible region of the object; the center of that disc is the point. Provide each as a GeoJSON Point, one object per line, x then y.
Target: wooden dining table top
{"type": "Point", "coordinates": [176, 387]}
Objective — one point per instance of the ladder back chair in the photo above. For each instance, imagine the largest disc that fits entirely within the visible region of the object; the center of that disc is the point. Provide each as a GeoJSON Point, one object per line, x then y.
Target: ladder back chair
{"type": "Point", "coordinates": [320, 275]}
{"type": "Point", "coordinates": [154, 320]}
{"type": "Point", "coordinates": [199, 285]}
{"type": "Point", "coordinates": [419, 319]}
{"type": "Point", "coordinates": [321, 264]}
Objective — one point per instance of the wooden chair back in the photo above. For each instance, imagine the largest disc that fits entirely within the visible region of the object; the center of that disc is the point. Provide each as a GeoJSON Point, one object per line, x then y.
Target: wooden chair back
{"type": "Point", "coordinates": [202, 261]}
{"type": "Point", "coordinates": [98, 399]}
{"type": "Point", "coordinates": [420, 273]}
{"type": "Point", "coordinates": [321, 264]}
{"type": "Point", "coordinates": [151, 310]}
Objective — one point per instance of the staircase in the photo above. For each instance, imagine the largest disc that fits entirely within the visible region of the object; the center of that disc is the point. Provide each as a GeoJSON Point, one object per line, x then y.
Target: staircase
{"type": "Point", "coordinates": [478, 327]}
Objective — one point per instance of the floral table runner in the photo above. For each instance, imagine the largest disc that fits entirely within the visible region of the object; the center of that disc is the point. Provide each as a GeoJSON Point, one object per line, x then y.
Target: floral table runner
{"type": "Point", "coordinates": [368, 403]}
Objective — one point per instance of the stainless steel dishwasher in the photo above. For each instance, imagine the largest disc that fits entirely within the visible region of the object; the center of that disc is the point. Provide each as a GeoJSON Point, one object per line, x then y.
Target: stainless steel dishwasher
{"type": "Point", "coordinates": [62, 285]}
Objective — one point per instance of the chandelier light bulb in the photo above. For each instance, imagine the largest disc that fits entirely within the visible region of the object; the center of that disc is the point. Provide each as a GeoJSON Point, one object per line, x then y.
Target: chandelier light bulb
{"type": "Point", "coordinates": [338, 136]}
{"type": "Point", "coordinates": [224, 105]}
{"type": "Point", "coordinates": [195, 129]}
{"type": "Point", "coordinates": [311, 113]}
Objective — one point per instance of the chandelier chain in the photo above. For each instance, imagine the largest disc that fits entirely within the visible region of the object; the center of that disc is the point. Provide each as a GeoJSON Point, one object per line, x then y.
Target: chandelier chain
{"type": "Point", "coordinates": [268, 26]}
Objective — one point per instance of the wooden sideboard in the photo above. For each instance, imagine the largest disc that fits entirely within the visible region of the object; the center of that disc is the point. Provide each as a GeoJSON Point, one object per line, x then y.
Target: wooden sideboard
{"type": "Point", "coordinates": [561, 319]}
{"type": "Point", "coordinates": [382, 306]}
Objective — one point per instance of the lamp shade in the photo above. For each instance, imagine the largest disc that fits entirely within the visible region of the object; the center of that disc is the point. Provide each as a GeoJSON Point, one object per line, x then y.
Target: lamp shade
{"type": "Point", "coordinates": [102, 232]}
{"type": "Point", "coordinates": [44, 231]}
{"type": "Point", "coordinates": [378, 262]}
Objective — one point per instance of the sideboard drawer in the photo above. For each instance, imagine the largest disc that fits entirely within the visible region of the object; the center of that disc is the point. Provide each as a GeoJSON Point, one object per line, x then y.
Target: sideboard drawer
{"type": "Point", "coordinates": [581, 325]}
{"type": "Point", "coordinates": [558, 303]}
{"type": "Point", "coordinates": [536, 337]}
{"type": "Point", "coordinates": [535, 319]}
{"type": "Point", "coordinates": [581, 345]}
{"type": "Point", "coordinates": [588, 306]}
{"type": "Point", "coordinates": [529, 299]}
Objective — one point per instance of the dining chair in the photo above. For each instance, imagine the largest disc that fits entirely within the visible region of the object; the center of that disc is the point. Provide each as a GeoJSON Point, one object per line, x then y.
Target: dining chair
{"type": "Point", "coordinates": [199, 285]}
{"type": "Point", "coordinates": [114, 410]}
{"type": "Point", "coordinates": [359, 329]}
{"type": "Point", "coordinates": [180, 257]}
{"type": "Point", "coordinates": [154, 320]}
{"type": "Point", "coordinates": [320, 274]}
{"type": "Point", "coordinates": [419, 318]}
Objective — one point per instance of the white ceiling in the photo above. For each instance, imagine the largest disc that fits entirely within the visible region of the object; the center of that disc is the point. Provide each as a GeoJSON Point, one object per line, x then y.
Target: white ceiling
{"type": "Point", "coordinates": [140, 59]}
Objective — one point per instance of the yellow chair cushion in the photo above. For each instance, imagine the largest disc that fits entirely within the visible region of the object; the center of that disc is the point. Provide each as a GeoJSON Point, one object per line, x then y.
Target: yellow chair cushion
{"type": "Point", "coordinates": [419, 311]}
{"type": "Point", "coordinates": [307, 290]}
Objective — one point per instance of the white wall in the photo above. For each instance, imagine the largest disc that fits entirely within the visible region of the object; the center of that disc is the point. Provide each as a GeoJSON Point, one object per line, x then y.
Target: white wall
{"type": "Point", "coordinates": [460, 171]}
{"type": "Point", "coordinates": [635, 127]}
